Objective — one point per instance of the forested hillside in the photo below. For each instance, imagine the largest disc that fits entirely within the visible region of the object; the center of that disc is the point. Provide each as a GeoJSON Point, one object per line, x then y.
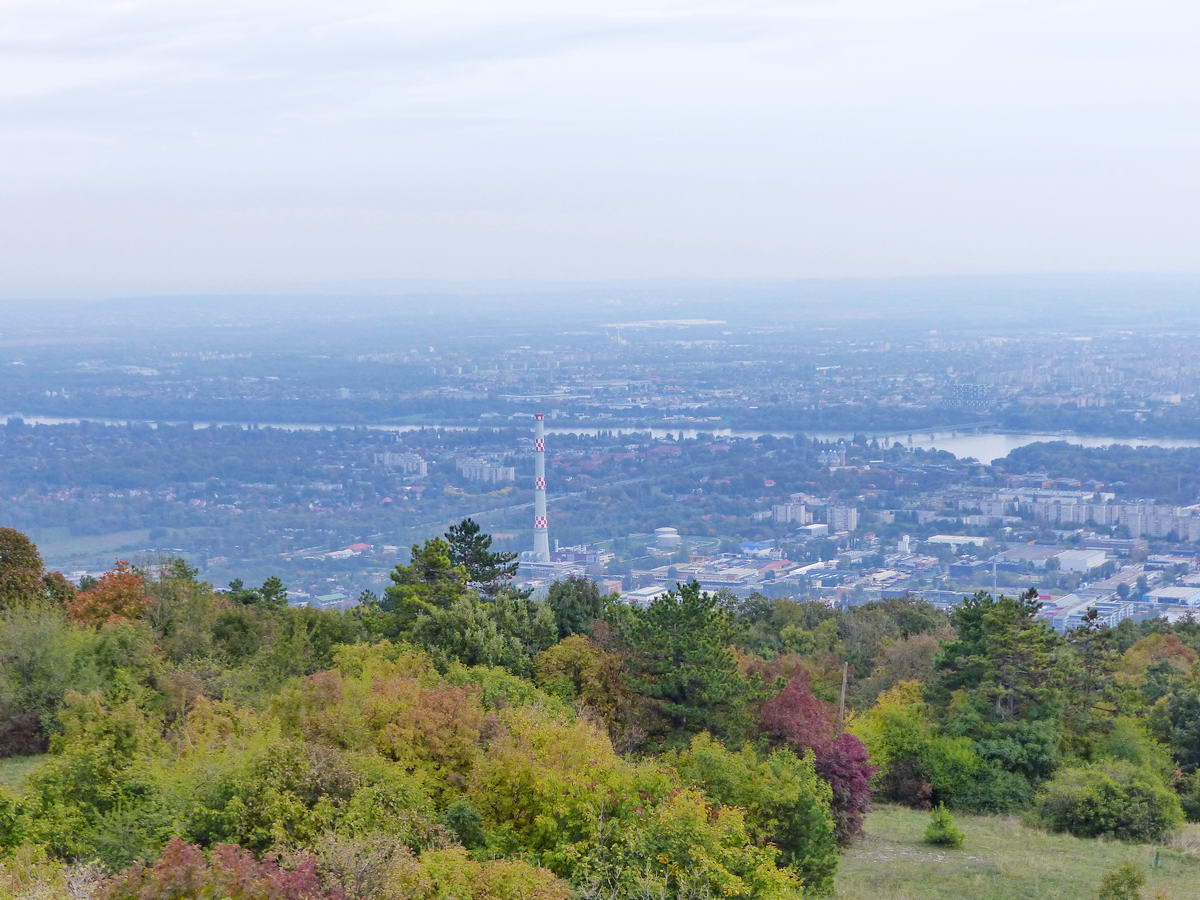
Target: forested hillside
{"type": "Point", "coordinates": [454, 738]}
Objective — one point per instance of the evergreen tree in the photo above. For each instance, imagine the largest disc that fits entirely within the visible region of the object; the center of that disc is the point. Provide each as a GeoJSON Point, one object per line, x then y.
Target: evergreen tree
{"type": "Point", "coordinates": [682, 661]}
{"type": "Point", "coordinates": [430, 581]}
{"type": "Point", "coordinates": [488, 571]}
{"type": "Point", "coordinates": [1177, 721]}
{"type": "Point", "coordinates": [1003, 682]}
{"type": "Point", "coordinates": [272, 594]}
{"type": "Point", "coordinates": [1005, 656]}
{"type": "Point", "coordinates": [178, 568]}
{"type": "Point", "coordinates": [941, 830]}
{"type": "Point", "coordinates": [1091, 689]}
{"type": "Point", "coordinates": [577, 603]}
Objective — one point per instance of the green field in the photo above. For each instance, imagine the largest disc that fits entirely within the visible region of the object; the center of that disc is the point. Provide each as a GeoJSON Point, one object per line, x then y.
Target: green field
{"type": "Point", "coordinates": [15, 769]}
{"type": "Point", "coordinates": [1001, 858]}
{"type": "Point", "coordinates": [60, 548]}
{"type": "Point", "coordinates": [57, 543]}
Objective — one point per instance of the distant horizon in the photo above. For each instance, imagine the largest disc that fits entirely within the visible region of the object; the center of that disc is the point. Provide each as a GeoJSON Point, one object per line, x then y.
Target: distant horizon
{"type": "Point", "coordinates": [374, 288]}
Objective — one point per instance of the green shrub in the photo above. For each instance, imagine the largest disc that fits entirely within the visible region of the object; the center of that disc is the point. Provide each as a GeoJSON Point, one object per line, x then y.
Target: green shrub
{"type": "Point", "coordinates": [30, 873]}
{"type": "Point", "coordinates": [463, 819]}
{"type": "Point", "coordinates": [994, 790]}
{"type": "Point", "coordinates": [918, 766]}
{"type": "Point", "coordinates": [952, 767]}
{"type": "Point", "coordinates": [1028, 747]}
{"type": "Point", "coordinates": [941, 830]}
{"type": "Point", "coordinates": [11, 824]}
{"type": "Point", "coordinates": [1111, 798]}
{"type": "Point", "coordinates": [100, 771]}
{"type": "Point", "coordinates": [1189, 796]}
{"type": "Point", "coordinates": [786, 803]}
{"type": "Point", "coordinates": [1122, 883]}
{"type": "Point", "coordinates": [1129, 740]}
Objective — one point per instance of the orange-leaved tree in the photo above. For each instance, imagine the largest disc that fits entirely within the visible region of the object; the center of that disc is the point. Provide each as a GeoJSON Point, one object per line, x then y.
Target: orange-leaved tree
{"type": "Point", "coordinates": [119, 594]}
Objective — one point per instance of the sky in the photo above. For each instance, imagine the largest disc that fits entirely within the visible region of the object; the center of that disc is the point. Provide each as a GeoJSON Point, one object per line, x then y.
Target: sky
{"type": "Point", "coordinates": [213, 145]}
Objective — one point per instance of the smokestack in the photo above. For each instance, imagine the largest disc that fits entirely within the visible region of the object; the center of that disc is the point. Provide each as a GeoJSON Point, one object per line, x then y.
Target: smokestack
{"type": "Point", "coordinates": [541, 525]}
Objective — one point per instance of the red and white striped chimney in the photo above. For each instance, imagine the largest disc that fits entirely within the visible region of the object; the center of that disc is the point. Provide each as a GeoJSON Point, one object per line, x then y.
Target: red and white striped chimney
{"type": "Point", "coordinates": [541, 525]}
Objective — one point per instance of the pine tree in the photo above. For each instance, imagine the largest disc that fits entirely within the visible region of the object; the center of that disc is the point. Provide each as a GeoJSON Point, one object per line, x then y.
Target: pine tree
{"type": "Point", "coordinates": [1003, 682]}
{"type": "Point", "coordinates": [488, 571]}
{"type": "Point", "coordinates": [1091, 697]}
{"type": "Point", "coordinates": [1005, 656]}
{"type": "Point", "coordinates": [577, 603]}
{"type": "Point", "coordinates": [272, 594]}
{"type": "Point", "coordinates": [941, 831]}
{"type": "Point", "coordinates": [681, 660]}
{"type": "Point", "coordinates": [430, 581]}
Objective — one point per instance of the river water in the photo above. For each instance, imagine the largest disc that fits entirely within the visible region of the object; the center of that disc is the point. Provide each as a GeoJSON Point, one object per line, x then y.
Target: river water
{"type": "Point", "coordinates": [984, 446]}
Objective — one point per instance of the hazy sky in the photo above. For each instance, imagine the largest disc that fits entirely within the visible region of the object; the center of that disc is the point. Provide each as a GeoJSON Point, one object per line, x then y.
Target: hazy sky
{"type": "Point", "coordinates": [206, 144]}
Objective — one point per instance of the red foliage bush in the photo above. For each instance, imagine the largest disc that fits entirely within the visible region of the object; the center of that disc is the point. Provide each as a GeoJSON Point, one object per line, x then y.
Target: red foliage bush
{"type": "Point", "coordinates": [844, 765]}
{"type": "Point", "coordinates": [796, 718]}
{"type": "Point", "coordinates": [184, 872]}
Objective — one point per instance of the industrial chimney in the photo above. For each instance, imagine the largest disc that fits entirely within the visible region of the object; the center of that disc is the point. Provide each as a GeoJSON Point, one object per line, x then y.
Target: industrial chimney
{"type": "Point", "coordinates": [541, 532]}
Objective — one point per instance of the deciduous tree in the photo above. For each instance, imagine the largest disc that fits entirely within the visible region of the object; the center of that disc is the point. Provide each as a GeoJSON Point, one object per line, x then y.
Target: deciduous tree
{"type": "Point", "coordinates": [118, 594]}
{"type": "Point", "coordinates": [796, 719]}
{"type": "Point", "coordinates": [20, 569]}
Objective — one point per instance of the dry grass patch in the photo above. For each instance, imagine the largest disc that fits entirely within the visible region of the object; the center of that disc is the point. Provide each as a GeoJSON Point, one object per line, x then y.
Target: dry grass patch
{"type": "Point", "coordinates": [1002, 859]}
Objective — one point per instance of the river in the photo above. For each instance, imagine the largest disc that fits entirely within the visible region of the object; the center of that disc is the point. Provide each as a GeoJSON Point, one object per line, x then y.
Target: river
{"type": "Point", "coordinates": [983, 445]}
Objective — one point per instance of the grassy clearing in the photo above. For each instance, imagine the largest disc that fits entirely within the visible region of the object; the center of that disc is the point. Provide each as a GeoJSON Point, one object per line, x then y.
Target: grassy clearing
{"type": "Point", "coordinates": [1000, 859]}
{"type": "Point", "coordinates": [15, 769]}
{"type": "Point", "coordinates": [60, 544]}
{"type": "Point", "coordinates": [60, 548]}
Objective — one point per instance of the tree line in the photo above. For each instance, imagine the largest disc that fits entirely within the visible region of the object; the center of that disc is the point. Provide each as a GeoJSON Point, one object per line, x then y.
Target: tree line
{"type": "Point", "coordinates": [456, 737]}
